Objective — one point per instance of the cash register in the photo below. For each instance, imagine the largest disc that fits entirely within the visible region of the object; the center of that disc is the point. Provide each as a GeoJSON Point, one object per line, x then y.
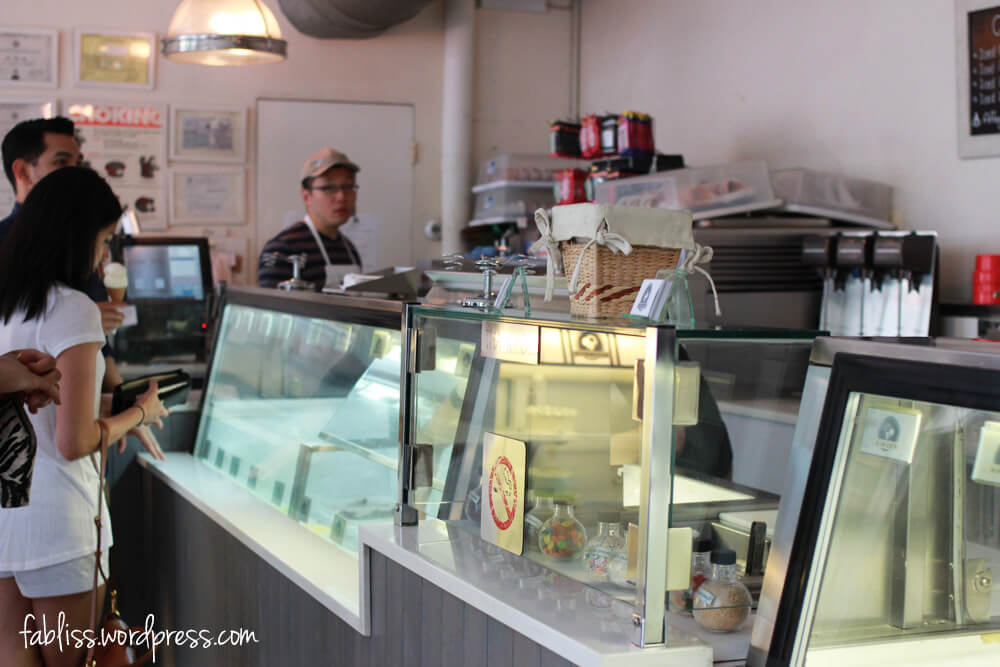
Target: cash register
{"type": "Point", "coordinates": [170, 285]}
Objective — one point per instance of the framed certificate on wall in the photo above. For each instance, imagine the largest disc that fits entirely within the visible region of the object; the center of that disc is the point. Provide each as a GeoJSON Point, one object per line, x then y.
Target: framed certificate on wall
{"type": "Point", "coordinates": [29, 58]}
{"type": "Point", "coordinates": [114, 59]}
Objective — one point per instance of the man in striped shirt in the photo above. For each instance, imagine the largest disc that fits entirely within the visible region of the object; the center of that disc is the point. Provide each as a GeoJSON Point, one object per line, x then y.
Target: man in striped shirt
{"type": "Point", "coordinates": [329, 192]}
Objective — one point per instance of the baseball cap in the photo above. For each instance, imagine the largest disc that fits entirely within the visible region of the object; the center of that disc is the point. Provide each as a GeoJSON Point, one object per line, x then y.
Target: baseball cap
{"type": "Point", "coordinates": [327, 158]}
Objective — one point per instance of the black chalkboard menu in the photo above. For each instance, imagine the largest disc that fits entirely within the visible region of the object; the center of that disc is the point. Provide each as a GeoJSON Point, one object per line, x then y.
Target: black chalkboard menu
{"type": "Point", "coordinates": [984, 56]}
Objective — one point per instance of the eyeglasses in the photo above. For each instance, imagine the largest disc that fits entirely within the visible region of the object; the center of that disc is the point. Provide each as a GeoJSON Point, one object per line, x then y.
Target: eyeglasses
{"type": "Point", "coordinates": [335, 189]}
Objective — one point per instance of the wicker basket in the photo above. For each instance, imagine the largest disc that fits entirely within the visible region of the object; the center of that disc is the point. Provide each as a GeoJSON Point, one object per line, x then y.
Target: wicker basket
{"type": "Point", "coordinates": [608, 282]}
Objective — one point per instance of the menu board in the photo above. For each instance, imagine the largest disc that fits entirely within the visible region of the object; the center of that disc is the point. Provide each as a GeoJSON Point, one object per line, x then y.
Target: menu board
{"type": "Point", "coordinates": [126, 143]}
{"type": "Point", "coordinates": [984, 48]}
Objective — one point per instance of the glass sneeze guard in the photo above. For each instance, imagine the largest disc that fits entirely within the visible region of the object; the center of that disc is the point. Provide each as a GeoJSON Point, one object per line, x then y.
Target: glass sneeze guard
{"type": "Point", "coordinates": [301, 407]}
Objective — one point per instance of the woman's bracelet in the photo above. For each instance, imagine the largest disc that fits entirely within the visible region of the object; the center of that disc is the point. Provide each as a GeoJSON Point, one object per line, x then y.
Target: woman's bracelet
{"type": "Point", "coordinates": [142, 420]}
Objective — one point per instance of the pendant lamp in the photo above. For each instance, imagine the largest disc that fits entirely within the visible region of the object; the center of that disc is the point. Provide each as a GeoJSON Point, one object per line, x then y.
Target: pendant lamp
{"type": "Point", "coordinates": [224, 32]}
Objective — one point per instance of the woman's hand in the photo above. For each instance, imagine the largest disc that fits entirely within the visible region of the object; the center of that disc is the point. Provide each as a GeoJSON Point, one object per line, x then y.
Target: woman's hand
{"type": "Point", "coordinates": [152, 408]}
{"type": "Point", "coordinates": [145, 435]}
{"type": "Point", "coordinates": [31, 373]}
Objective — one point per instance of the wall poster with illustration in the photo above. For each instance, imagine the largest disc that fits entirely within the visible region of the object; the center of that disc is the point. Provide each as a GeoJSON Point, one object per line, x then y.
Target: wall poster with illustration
{"type": "Point", "coordinates": [126, 143]}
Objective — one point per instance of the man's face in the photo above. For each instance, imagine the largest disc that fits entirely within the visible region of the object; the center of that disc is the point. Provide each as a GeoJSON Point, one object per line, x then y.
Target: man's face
{"type": "Point", "coordinates": [331, 199]}
{"type": "Point", "coordinates": [60, 151]}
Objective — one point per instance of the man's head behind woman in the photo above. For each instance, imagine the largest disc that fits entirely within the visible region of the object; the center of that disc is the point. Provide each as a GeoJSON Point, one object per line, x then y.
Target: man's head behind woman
{"type": "Point", "coordinates": [53, 239]}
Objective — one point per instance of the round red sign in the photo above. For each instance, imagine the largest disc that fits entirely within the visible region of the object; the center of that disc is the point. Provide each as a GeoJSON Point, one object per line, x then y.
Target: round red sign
{"type": "Point", "coordinates": [503, 493]}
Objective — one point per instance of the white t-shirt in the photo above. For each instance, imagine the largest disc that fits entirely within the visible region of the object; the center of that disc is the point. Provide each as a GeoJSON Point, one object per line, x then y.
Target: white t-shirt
{"type": "Point", "coordinates": [58, 524]}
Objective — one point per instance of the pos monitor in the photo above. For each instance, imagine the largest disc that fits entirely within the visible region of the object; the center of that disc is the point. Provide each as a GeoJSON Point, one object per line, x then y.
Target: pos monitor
{"type": "Point", "coordinates": [167, 268]}
{"type": "Point", "coordinates": [170, 284]}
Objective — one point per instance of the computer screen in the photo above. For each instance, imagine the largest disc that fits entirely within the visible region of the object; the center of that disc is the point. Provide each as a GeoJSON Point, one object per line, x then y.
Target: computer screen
{"type": "Point", "coordinates": [163, 270]}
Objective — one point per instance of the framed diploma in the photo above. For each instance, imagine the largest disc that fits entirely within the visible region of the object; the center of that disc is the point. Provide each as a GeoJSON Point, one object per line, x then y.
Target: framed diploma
{"type": "Point", "coordinates": [216, 134]}
{"type": "Point", "coordinates": [29, 58]}
{"type": "Point", "coordinates": [208, 196]}
{"type": "Point", "coordinates": [114, 59]}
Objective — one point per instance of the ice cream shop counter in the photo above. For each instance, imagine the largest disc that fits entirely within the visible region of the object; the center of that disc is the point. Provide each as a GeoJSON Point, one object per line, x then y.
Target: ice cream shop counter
{"type": "Point", "coordinates": [406, 484]}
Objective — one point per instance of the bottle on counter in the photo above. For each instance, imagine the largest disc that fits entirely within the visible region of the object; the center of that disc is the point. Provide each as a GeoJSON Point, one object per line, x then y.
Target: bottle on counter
{"type": "Point", "coordinates": [563, 536]}
{"type": "Point", "coordinates": [701, 568]}
{"type": "Point", "coordinates": [722, 603]}
{"type": "Point", "coordinates": [601, 548]}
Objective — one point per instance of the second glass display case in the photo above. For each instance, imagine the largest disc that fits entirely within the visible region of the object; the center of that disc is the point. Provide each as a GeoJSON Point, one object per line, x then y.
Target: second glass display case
{"type": "Point", "coordinates": [636, 439]}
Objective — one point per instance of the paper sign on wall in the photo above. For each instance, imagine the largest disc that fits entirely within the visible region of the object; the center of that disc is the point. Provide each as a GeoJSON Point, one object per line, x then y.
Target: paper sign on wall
{"type": "Point", "coordinates": [890, 433]}
{"type": "Point", "coordinates": [502, 519]}
{"type": "Point", "coordinates": [126, 143]}
{"type": "Point", "coordinates": [986, 469]}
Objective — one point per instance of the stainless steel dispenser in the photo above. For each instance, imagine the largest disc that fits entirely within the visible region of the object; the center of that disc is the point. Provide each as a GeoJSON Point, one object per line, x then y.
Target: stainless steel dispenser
{"type": "Point", "coordinates": [875, 283]}
{"type": "Point", "coordinates": [902, 284]}
{"type": "Point", "coordinates": [820, 251]}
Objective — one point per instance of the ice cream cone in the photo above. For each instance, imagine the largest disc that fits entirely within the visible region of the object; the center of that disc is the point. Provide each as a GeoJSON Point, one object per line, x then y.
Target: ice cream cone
{"type": "Point", "coordinates": [115, 281]}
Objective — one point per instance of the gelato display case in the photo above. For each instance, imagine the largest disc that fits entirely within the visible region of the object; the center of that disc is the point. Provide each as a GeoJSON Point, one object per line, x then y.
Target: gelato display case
{"type": "Point", "coordinates": [896, 469]}
{"type": "Point", "coordinates": [600, 450]}
{"type": "Point", "coordinates": [301, 407]}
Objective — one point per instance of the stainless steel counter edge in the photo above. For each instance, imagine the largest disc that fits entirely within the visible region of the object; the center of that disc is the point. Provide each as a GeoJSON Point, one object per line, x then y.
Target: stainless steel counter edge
{"type": "Point", "coordinates": [429, 551]}
{"type": "Point", "coordinates": [317, 566]}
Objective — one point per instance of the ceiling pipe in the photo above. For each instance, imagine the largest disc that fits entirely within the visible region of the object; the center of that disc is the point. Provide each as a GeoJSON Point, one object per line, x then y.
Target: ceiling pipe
{"type": "Point", "coordinates": [348, 19]}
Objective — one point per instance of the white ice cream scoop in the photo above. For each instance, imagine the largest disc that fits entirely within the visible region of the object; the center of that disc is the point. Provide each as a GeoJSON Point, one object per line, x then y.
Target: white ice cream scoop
{"type": "Point", "coordinates": [115, 280]}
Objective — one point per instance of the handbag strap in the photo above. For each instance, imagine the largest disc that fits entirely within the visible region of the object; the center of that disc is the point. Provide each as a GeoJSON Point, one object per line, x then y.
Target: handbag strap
{"type": "Point", "coordinates": [98, 571]}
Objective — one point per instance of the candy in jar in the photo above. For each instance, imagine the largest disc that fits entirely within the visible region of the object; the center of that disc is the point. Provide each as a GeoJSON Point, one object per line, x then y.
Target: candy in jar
{"type": "Point", "coordinates": [562, 536]}
{"type": "Point", "coordinates": [601, 548]}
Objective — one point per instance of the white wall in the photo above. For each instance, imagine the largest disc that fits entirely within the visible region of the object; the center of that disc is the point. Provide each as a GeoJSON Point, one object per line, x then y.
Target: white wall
{"type": "Point", "coordinates": [402, 65]}
{"type": "Point", "coordinates": [862, 87]}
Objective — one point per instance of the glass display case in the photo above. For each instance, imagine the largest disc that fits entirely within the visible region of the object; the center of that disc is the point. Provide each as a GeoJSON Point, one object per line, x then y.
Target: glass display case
{"type": "Point", "coordinates": [892, 557]}
{"type": "Point", "coordinates": [629, 442]}
{"type": "Point", "coordinates": [301, 406]}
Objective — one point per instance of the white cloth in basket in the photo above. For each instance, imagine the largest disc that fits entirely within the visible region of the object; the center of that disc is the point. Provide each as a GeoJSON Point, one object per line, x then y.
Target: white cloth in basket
{"type": "Point", "coordinates": [616, 227]}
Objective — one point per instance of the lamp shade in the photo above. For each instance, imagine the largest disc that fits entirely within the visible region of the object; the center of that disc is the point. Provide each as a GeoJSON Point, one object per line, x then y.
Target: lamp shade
{"type": "Point", "coordinates": [224, 32]}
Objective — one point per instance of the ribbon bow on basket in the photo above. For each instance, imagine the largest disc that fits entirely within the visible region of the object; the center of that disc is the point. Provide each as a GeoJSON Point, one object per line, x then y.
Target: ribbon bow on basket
{"type": "Point", "coordinates": [602, 236]}
{"type": "Point", "coordinates": [702, 255]}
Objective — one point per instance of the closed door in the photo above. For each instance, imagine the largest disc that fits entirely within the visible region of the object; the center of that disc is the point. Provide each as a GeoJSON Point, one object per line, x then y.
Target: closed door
{"type": "Point", "coordinates": [377, 137]}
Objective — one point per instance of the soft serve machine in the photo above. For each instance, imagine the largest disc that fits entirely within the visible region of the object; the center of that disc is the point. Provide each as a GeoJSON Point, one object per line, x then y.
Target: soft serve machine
{"type": "Point", "coordinates": [875, 283]}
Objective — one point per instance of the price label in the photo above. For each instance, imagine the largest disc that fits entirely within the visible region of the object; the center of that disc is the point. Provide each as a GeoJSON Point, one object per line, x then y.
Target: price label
{"type": "Point", "coordinates": [986, 469]}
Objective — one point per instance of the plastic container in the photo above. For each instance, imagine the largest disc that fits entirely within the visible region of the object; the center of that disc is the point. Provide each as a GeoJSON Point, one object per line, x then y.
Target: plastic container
{"type": "Point", "coordinates": [986, 280]}
{"type": "Point", "coordinates": [512, 201]}
{"type": "Point", "coordinates": [705, 191]}
{"type": "Point", "coordinates": [722, 603]}
{"type": "Point", "coordinates": [834, 196]}
{"type": "Point", "coordinates": [524, 167]}
{"type": "Point", "coordinates": [570, 186]}
{"type": "Point", "coordinates": [988, 264]}
{"type": "Point", "coordinates": [562, 537]}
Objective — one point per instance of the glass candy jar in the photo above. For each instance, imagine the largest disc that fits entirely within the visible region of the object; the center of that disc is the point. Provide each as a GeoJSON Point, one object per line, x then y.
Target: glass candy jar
{"type": "Point", "coordinates": [562, 536]}
{"type": "Point", "coordinates": [601, 548]}
{"type": "Point", "coordinates": [722, 603]}
{"type": "Point", "coordinates": [535, 518]}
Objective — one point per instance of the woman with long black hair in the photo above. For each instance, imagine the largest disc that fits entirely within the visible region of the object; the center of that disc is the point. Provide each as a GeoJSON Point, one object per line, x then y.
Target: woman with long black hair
{"type": "Point", "coordinates": [47, 547]}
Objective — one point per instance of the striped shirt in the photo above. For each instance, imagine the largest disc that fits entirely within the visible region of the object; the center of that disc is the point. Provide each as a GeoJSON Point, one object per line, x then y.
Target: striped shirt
{"type": "Point", "coordinates": [298, 240]}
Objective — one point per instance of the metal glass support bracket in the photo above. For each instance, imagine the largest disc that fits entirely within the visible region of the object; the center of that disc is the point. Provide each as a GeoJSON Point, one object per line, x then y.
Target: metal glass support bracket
{"type": "Point", "coordinates": [655, 485]}
{"type": "Point", "coordinates": [404, 514]}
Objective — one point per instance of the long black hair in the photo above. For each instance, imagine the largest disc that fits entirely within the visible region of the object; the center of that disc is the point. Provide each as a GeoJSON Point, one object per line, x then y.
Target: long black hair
{"type": "Point", "coordinates": [52, 239]}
